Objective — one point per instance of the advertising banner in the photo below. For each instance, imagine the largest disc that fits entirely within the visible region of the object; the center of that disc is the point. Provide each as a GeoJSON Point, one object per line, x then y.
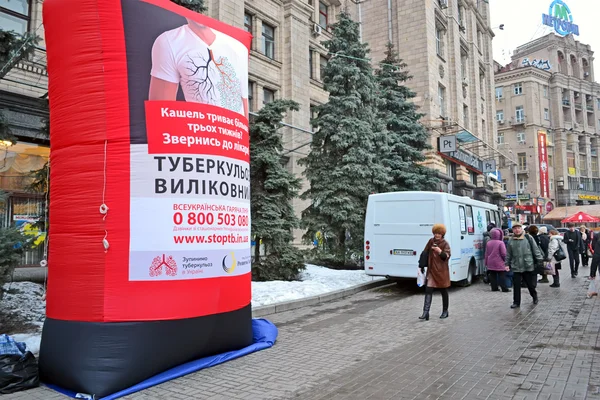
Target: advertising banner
{"type": "Point", "coordinates": [543, 162]}
{"type": "Point", "coordinates": [150, 206]}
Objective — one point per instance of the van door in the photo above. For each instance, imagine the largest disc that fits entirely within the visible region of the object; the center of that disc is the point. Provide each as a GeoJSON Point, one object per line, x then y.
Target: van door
{"type": "Point", "coordinates": [458, 229]}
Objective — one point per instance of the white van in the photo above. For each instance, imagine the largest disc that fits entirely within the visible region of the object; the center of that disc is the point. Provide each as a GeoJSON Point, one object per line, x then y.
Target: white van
{"type": "Point", "coordinates": [398, 226]}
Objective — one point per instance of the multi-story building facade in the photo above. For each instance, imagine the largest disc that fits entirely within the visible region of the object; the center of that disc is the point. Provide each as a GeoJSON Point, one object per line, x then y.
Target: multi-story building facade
{"type": "Point", "coordinates": [23, 108]}
{"type": "Point", "coordinates": [547, 101]}
{"type": "Point", "coordinates": [447, 45]}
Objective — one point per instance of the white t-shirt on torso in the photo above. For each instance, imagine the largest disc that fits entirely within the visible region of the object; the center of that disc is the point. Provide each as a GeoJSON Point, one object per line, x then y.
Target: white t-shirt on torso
{"type": "Point", "coordinates": [180, 56]}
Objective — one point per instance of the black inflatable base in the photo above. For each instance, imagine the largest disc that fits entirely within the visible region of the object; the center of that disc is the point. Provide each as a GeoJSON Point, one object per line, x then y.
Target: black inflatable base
{"type": "Point", "coordinates": [104, 358]}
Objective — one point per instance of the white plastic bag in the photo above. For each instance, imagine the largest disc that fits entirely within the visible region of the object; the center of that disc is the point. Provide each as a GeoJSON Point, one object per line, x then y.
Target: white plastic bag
{"type": "Point", "coordinates": [421, 277]}
{"type": "Point", "coordinates": [592, 291]}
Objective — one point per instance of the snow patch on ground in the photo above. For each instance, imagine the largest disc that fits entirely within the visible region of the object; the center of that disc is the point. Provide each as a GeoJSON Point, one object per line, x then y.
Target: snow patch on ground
{"type": "Point", "coordinates": [314, 281]}
{"type": "Point", "coordinates": [24, 301]}
{"type": "Point", "coordinates": [24, 304]}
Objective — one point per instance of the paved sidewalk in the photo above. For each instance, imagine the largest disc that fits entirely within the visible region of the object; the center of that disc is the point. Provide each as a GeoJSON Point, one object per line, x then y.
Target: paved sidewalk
{"type": "Point", "coordinates": [372, 346]}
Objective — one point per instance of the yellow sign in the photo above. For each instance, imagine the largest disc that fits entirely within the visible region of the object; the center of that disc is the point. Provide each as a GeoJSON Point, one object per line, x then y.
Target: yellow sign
{"type": "Point", "coordinates": [572, 171]}
{"type": "Point", "coordinates": [588, 197]}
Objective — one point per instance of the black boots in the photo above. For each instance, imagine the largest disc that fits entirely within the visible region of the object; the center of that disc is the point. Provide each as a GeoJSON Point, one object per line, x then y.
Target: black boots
{"type": "Point", "coordinates": [426, 306]}
{"type": "Point", "coordinates": [444, 314]}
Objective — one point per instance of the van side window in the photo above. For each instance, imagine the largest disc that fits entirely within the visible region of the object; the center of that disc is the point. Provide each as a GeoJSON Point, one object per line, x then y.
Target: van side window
{"type": "Point", "coordinates": [488, 219]}
{"type": "Point", "coordinates": [498, 219]}
{"type": "Point", "coordinates": [463, 219]}
{"type": "Point", "coordinates": [470, 225]}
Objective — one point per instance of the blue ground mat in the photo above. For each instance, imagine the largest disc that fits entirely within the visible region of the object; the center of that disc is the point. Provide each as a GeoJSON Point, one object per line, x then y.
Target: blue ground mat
{"type": "Point", "coordinates": [264, 335]}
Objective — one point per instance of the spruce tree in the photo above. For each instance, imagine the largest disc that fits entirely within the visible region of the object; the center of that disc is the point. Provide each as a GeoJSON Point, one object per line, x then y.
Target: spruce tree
{"type": "Point", "coordinates": [343, 166]}
{"type": "Point", "coordinates": [13, 48]}
{"type": "Point", "coordinates": [406, 138]}
{"type": "Point", "coordinates": [194, 5]}
{"type": "Point", "coordinates": [273, 188]}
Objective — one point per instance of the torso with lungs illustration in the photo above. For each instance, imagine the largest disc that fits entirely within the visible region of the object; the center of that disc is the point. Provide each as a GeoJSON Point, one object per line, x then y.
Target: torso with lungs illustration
{"type": "Point", "coordinates": [207, 74]}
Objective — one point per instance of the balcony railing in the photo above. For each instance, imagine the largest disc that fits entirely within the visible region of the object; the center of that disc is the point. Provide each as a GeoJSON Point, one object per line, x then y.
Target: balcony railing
{"type": "Point", "coordinates": [590, 108]}
{"type": "Point", "coordinates": [578, 106]}
{"type": "Point", "coordinates": [518, 120]}
{"type": "Point", "coordinates": [566, 103]}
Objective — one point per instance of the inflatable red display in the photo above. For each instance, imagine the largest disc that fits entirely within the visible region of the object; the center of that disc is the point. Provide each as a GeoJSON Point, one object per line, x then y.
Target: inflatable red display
{"type": "Point", "coordinates": [149, 263]}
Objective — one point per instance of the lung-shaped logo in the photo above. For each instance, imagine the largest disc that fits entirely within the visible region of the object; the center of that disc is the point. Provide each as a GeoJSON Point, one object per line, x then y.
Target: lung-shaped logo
{"type": "Point", "coordinates": [156, 269]}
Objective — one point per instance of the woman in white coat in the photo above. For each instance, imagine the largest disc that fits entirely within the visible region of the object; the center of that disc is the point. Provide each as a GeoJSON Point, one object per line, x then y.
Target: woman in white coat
{"type": "Point", "coordinates": [556, 241]}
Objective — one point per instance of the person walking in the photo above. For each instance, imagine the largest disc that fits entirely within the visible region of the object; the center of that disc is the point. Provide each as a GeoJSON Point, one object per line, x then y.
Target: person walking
{"type": "Point", "coordinates": [556, 242]}
{"type": "Point", "coordinates": [586, 236]}
{"type": "Point", "coordinates": [595, 256]}
{"type": "Point", "coordinates": [522, 253]}
{"type": "Point", "coordinates": [540, 235]}
{"type": "Point", "coordinates": [495, 258]}
{"type": "Point", "coordinates": [574, 244]}
{"type": "Point", "coordinates": [486, 239]}
{"type": "Point", "coordinates": [438, 273]}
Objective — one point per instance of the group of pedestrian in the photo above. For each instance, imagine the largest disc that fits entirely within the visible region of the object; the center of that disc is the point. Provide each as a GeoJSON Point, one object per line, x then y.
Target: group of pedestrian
{"type": "Point", "coordinates": [524, 254]}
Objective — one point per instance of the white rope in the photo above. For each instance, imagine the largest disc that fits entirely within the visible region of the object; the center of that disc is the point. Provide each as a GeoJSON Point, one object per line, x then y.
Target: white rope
{"type": "Point", "coordinates": [44, 262]}
{"type": "Point", "coordinates": [103, 207]}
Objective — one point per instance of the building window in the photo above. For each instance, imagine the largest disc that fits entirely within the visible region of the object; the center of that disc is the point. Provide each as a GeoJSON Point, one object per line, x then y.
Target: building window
{"type": "Point", "coordinates": [311, 68]}
{"type": "Point", "coordinates": [582, 166]}
{"type": "Point", "coordinates": [466, 116]}
{"type": "Point", "coordinates": [521, 137]}
{"type": "Point", "coordinates": [323, 14]}
{"type": "Point", "coordinates": [479, 40]}
{"type": "Point", "coordinates": [522, 185]}
{"type": "Point", "coordinates": [546, 114]}
{"type": "Point", "coordinates": [322, 66]}
{"type": "Point", "coordinates": [545, 90]}
{"type": "Point", "coordinates": [550, 161]}
{"type": "Point", "coordinates": [248, 22]}
{"type": "Point", "coordinates": [520, 114]}
{"type": "Point", "coordinates": [268, 40]}
{"type": "Point", "coordinates": [501, 139]}
{"type": "Point", "coordinates": [473, 178]}
{"type": "Point", "coordinates": [571, 163]}
{"type": "Point", "coordinates": [551, 185]}
{"type": "Point", "coordinates": [595, 166]}
{"type": "Point", "coordinates": [503, 184]}
{"type": "Point", "coordinates": [599, 124]}
{"type": "Point", "coordinates": [500, 115]}
{"type": "Point", "coordinates": [498, 93]}
{"type": "Point", "coordinates": [250, 96]}
{"type": "Point", "coordinates": [461, 21]}
{"type": "Point", "coordinates": [464, 58]}
{"type": "Point", "coordinates": [442, 100]}
{"type": "Point", "coordinates": [598, 104]}
{"type": "Point", "coordinates": [439, 40]}
{"type": "Point", "coordinates": [268, 95]}
{"type": "Point", "coordinates": [522, 160]}
{"type": "Point", "coordinates": [14, 15]}
{"type": "Point", "coordinates": [313, 115]}
{"type": "Point", "coordinates": [482, 83]}
{"type": "Point", "coordinates": [518, 88]}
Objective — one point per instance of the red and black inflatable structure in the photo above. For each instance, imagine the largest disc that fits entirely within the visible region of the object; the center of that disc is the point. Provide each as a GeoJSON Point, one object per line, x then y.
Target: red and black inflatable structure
{"type": "Point", "coordinates": [149, 263]}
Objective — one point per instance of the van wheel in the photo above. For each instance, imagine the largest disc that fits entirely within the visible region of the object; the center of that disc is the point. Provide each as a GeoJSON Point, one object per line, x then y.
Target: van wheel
{"type": "Point", "coordinates": [470, 276]}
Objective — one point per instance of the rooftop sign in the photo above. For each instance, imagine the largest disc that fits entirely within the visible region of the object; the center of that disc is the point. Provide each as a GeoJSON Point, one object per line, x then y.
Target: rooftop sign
{"type": "Point", "coordinates": [560, 18]}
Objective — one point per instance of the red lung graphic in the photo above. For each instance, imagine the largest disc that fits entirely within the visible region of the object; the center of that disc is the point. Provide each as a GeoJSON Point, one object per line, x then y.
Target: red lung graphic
{"type": "Point", "coordinates": [169, 264]}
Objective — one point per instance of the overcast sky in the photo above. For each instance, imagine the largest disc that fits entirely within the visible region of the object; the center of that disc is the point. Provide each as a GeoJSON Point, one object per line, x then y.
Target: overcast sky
{"type": "Point", "coordinates": [522, 21]}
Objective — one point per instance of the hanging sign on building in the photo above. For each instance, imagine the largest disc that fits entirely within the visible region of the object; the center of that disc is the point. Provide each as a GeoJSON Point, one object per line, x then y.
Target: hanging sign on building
{"type": "Point", "coordinates": [560, 18]}
{"type": "Point", "coordinates": [489, 166]}
{"type": "Point", "coordinates": [447, 144]}
{"type": "Point", "coordinates": [543, 158]}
